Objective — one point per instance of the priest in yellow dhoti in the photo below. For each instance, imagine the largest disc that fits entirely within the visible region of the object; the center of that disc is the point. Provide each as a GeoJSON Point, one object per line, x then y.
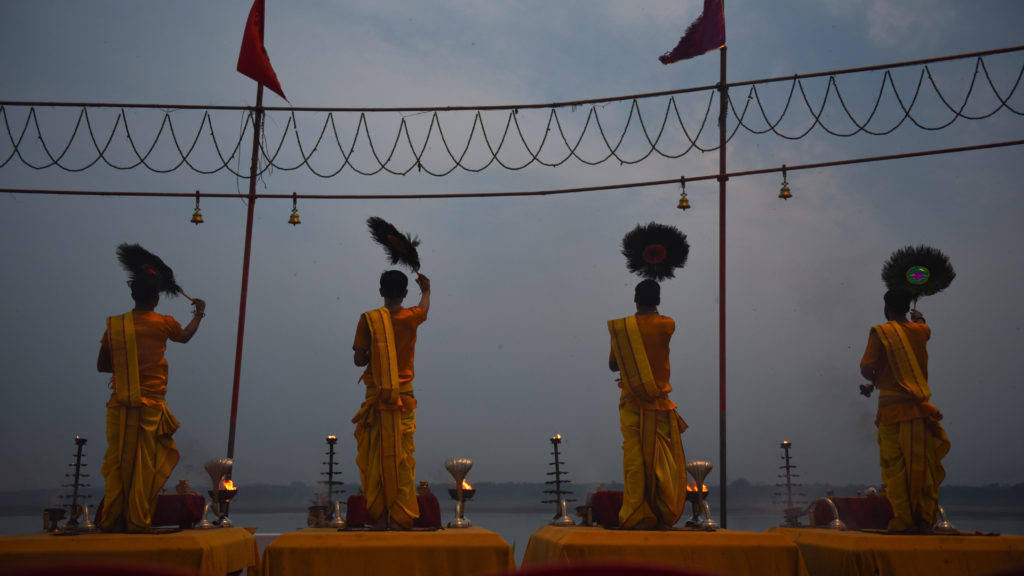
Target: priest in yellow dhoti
{"type": "Point", "coordinates": [911, 441]}
{"type": "Point", "coordinates": [385, 342]}
{"type": "Point", "coordinates": [140, 449]}
{"type": "Point", "coordinates": [653, 463]}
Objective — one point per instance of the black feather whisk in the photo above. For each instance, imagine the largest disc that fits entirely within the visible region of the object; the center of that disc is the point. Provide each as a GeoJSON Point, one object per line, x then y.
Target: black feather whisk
{"type": "Point", "coordinates": [921, 269]}
{"type": "Point", "coordinates": [137, 261]}
{"type": "Point", "coordinates": [655, 251]}
{"type": "Point", "coordinates": [400, 248]}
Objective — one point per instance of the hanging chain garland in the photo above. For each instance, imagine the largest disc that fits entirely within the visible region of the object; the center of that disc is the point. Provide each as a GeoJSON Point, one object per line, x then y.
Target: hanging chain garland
{"type": "Point", "coordinates": [26, 142]}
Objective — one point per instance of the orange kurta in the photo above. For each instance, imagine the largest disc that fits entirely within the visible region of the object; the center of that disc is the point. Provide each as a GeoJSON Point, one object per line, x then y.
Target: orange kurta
{"type": "Point", "coordinates": [140, 449]}
{"type": "Point", "coordinates": [654, 465]}
{"type": "Point", "coordinates": [911, 440]}
{"type": "Point", "coordinates": [386, 421]}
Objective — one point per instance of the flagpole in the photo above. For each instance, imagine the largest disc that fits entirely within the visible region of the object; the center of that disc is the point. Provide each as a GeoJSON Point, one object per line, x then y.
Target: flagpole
{"type": "Point", "coordinates": [257, 121]}
{"type": "Point", "coordinates": [723, 97]}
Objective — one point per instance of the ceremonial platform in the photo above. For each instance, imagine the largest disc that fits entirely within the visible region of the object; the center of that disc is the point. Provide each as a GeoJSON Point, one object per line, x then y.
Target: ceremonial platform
{"type": "Point", "coordinates": [322, 551]}
{"type": "Point", "coordinates": [723, 551]}
{"type": "Point", "coordinates": [849, 553]}
{"type": "Point", "coordinates": [217, 551]}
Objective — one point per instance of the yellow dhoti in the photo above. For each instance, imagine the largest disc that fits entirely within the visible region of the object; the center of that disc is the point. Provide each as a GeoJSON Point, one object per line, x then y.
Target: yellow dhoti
{"type": "Point", "coordinates": [911, 440]}
{"type": "Point", "coordinates": [653, 462]}
{"type": "Point", "coordinates": [141, 453]}
{"type": "Point", "coordinates": [387, 467]}
{"type": "Point", "coordinates": [140, 457]}
{"type": "Point", "coordinates": [385, 427]}
{"type": "Point", "coordinates": [911, 455]}
{"type": "Point", "coordinates": [653, 467]}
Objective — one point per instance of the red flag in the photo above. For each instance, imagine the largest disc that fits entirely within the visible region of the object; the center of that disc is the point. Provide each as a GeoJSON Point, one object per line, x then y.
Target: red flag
{"type": "Point", "coordinates": [705, 34]}
{"type": "Point", "coordinates": [253, 60]}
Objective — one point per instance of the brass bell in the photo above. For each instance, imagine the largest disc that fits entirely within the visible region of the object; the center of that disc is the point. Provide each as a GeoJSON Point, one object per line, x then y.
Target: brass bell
{"type": "Point", "coordinates": [294, 218]}
{"type": "Point", "coordinates": [784, 191]}
{"type": "Point", "coordinates": [197, 216]}
{"type": "Point", "coordinates": [684, 203]}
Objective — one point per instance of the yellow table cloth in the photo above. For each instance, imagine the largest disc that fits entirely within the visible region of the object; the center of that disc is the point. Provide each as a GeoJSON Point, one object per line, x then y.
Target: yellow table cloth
{"type": "Point", "coordinates": [217, 551]}
{"type": "Point", "coordinates": [727, 551]}
{"type": "Point", "coordinates": [322, 551]}
{"type": "Point", "coordinates": [837, 553]}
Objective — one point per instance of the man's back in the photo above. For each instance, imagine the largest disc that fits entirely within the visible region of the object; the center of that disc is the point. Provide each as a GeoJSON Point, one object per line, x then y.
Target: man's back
{"type": "Point", "coordinates": [404, 326]}
{"type": "Point", "coordinates": [656, 331]}
{"type": "Point", "coordinates": [917, 335]}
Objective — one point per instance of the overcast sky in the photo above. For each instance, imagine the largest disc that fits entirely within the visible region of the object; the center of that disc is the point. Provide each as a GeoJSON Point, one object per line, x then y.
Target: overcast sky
{"type": "Point", "coordinates": [515, 349]}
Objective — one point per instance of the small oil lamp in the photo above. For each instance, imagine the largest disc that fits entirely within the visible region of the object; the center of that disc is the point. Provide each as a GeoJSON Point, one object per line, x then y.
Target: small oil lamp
{"type": "Point", "coordinates": [699, 470]}
{"type": "Point", "coordinates": [695, 498]}
{"type": "Point", "coordinates": [223, 492]}
{"type": "Point", "coordinates": [458, 468]}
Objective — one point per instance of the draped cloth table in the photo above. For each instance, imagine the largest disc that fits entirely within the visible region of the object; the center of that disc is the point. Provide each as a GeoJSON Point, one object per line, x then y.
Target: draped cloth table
{"type": "Point", "coordinates": [323, 551]}
{"type": "Point", "coordinates": [216, 551]}
{"type": "Point", "coordinates": [846, 553]}
{"type": "Point", "coordinates": [726, 551]}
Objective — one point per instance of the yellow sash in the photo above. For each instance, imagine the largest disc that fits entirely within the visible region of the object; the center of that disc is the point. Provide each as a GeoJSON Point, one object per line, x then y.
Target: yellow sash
{"type": "Point", "coordinates": [125, 359]}
{"type": "Point", "coordinates": [903, 362]}
{"type": "Point", "coordinates": [384, 358]}
{"type": "Point", "coordinates": [631, 356]}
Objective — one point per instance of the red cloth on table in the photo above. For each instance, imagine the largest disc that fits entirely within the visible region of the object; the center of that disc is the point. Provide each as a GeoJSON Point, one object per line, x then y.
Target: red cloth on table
{"type": "Point", "coordinates": [181, 510]}
{"type": "Point", "coordinates": [858, 513]}
{"type": "Point", "coordinates": [430, 511]}
{"type": "Point", "coordinates": [606, 505]}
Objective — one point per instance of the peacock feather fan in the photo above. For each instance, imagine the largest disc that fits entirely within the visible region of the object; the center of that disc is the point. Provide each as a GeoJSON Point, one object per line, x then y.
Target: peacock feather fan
{"type": "Point", "coordinates": [136, 260]}
{"type": "Point", "coordinates": [655, 251]}
{"type": "Point", "coordinates": [922, 269]}
{"type": "Point", "coordinates": [400, 248]}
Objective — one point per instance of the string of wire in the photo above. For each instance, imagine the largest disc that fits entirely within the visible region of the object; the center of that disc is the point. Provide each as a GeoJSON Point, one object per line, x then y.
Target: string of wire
{"type": "Point", "coordinates": [487, 142]}
{"type": "Point", "coordinates": [550, 192]}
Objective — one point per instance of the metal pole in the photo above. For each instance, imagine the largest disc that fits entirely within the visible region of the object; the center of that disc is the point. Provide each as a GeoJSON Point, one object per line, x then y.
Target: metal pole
{"type": "Point", "coordinates": [723, 96]}
{"type": "Point", "coordinates": [257, 121]}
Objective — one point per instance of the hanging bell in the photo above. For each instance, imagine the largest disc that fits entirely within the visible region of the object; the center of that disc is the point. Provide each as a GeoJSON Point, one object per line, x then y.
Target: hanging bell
{"type": "Point", "coordinates": [784, 191]}
{"type": "Point", "coordinates": [294, 218]}
{"type": "Point", "coordinates": [684, 202]}
{"type": "Point", "coordinates": [197, 216]}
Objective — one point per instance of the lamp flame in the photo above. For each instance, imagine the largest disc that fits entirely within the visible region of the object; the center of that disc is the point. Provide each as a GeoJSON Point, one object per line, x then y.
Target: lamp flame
{"type": "Point", "coordinates": [465, 485]}
{"type": "Point", "coordinates": [692, 487]}
{"type": "Point", "coordinates": [226, 484]}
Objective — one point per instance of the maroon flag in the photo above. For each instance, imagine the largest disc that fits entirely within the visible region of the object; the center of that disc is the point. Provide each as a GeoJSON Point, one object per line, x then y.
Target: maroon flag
{"type": "Point", "coordinates": [705, 34]}
{"type": "Point", "coordinates": [253, 60]}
